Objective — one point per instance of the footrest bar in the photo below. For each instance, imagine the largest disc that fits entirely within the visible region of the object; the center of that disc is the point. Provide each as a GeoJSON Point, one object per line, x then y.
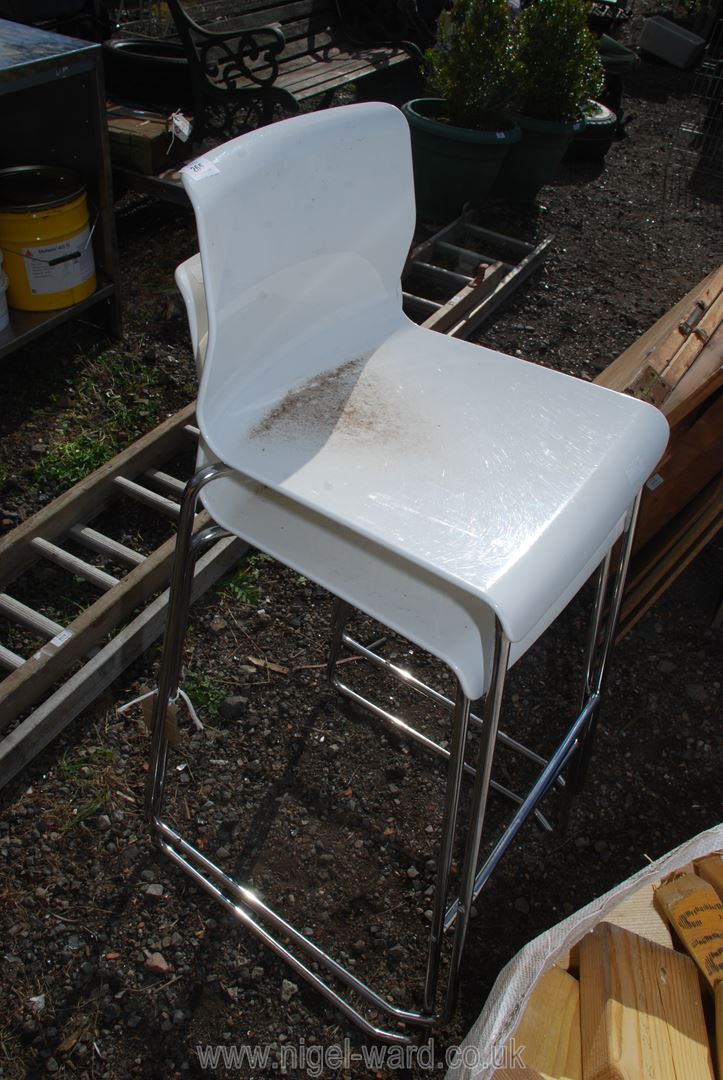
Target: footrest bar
{"type": "Point", "coordinates": [539, 789]}
{"type": "Point", "coordinates": [429, 744]}
{"type": "Point", "coordinates": [416, 684]}
{"type": "Point", "coordinates": [246, 905]}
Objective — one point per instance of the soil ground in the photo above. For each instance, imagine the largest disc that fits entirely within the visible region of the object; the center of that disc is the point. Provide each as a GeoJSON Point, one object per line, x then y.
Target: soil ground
{"type": "Point", "coordinates": [331, 822]}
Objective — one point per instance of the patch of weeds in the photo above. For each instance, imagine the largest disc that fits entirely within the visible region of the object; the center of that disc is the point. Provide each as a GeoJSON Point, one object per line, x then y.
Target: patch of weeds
{"type": "Point", "coordinates": [93, 788]}
{"type": "Point", "coordinates": [111, 402]}
{"type": "Point", "coordinates": [242, 585]}
{"type": "Point", "coordinates": [206, 693]}
{"type": "Point", "coordinates": [88, 811]}
{"type": "Point", "coordinates": [68, 462]}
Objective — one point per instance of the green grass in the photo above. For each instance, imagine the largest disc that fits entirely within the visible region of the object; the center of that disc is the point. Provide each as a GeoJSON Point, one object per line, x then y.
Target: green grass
{"type": "Point", "coordinates": [206, 693]}
{"type": "Point", "coordinates": [108, 404]}
{"type": "Point", "coordinates": [68, 462]}
{"type": "Point", "coordinates": [242, 585]}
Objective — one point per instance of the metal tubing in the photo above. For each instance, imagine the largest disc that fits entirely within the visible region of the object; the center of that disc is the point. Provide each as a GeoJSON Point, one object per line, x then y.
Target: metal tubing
{"type": "Point", "coordinates": [597, 663]}
{"type": "Point", "coordinates": [493, 705]}
{"type": "Point", "coordinates": [178, 606]}
{"type": "Point", "coordinates": [242, 916]}
{"type": "Point", "coordinates": [339, 617]}
{"type": "Point", "coordinates": [416, 684]}
{"type": "Point", "coordinates": [409, 732]}
{"type": "Point", "coordinates": [537, 792]}
{"type": "Point", "coordinates": [455, 768]}
{"type": "Point", "coordinates": [596, 618]}
{"type": "Point", "coordinates": [251, 901]}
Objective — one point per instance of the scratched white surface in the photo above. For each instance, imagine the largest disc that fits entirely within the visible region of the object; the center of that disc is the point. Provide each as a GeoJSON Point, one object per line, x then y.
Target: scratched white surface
{"type": "Point", "coordinates": [501, 477]}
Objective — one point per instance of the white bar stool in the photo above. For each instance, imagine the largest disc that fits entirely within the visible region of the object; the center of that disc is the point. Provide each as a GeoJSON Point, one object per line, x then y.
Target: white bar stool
{"type": "Point", "coordinates": [459, 496]}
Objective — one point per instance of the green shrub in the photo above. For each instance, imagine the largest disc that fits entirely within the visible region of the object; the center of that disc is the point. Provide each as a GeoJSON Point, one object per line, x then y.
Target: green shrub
{"type": "Point", "coordinates": [560, 66]}
{"type": "Point", "coordinates": [473, 63]}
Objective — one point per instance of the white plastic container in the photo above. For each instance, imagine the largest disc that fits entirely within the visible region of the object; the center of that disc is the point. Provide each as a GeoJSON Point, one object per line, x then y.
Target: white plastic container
{"type": "Point", "coordinates": [671, 42]}
{"type": "Point", "coordinates": [4, 316]}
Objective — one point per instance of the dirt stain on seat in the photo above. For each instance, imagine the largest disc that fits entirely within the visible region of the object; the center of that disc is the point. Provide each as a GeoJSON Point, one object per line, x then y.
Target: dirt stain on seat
{"type": "Point", "coordinates": [336, 403]}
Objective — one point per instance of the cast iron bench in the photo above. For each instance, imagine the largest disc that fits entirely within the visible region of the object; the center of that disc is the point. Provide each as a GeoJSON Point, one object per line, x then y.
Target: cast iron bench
{"type": "Point", "coordinates": [279, 52]}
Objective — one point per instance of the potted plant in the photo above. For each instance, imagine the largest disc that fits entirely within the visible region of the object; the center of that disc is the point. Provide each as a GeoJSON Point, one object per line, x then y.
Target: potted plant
{"type": "Point", "coordinates": [461, 137]}
{"type": "Point", "coordinates": [560, 71]}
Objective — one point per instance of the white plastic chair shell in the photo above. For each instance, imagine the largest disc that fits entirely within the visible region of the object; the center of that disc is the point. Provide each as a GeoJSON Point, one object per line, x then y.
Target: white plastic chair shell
{"type": "Point", "coordinates": [465, 471]}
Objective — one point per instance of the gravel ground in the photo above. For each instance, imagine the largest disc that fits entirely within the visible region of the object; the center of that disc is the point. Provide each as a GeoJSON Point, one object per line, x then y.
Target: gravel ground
{"type": "Point", "coordinates": [114, 965]}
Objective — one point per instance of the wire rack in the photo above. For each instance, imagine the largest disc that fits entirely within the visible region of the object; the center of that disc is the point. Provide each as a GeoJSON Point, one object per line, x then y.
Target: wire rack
{"type": "Point", "coordinates": [694, 173]}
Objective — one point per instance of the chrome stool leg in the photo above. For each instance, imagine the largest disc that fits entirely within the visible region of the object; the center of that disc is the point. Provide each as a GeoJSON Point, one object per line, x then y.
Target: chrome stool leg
{"type": "Point", "coordinates": [600, 641]}
{"type": "Point", "coordinates": [490, 720]}
{"type": "Point", "coordinates": [188, 548]}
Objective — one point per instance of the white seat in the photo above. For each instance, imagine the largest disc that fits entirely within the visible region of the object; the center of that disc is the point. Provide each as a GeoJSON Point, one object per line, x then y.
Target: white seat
{"type": "Point", "coordinates": [457, 495]}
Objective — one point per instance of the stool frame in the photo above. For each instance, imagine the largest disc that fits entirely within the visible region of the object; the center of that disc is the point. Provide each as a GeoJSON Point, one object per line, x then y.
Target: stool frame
{"type": "Point", "coordinates": [572, 754]}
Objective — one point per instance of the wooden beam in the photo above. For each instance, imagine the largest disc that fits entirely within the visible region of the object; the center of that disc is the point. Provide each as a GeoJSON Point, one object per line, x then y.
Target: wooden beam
{"type": "Point", "coordinates": [639, 915]}
{"type": "Point", "coordinates": [695, 912]}
{"type": "Point", "coordinates": [640, 1009]}
{"type": "Point", "coordinates": [711, 870]}
{"type": "Point", "coordinates": [650, 348]}
{"type": "Point", "coordinates": [548, 1034]}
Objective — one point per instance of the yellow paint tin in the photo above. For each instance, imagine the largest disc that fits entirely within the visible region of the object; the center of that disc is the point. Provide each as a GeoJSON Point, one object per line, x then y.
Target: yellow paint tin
{"type": "Point", "coordinates": [45, 237]}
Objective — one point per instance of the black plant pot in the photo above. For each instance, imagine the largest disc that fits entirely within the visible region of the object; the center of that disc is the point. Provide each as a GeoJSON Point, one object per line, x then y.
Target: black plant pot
{"type": "Point", "coordinates": [150, 73]}
{"type": "Point", "coordinates": [594, 141]}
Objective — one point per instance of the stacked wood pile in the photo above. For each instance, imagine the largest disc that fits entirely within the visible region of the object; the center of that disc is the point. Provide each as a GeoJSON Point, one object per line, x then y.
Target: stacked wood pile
{"type": "Point", "coordinates": [677, 365]}
{"type": "Point", "coordinates": [639, 998]}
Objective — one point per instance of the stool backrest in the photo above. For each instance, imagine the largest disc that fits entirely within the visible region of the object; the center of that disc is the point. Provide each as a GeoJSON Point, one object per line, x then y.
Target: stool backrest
{"type": "Point", "coordinates": [304, 227]}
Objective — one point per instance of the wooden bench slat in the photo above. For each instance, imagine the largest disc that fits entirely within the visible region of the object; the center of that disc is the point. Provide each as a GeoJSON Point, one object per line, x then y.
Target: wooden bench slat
{"type": "Point", "coordinates": [319, 77]}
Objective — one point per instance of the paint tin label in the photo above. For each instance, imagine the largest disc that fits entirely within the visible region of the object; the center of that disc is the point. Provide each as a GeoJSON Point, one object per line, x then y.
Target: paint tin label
{"type": "Point", "coordinates": [52, 268]}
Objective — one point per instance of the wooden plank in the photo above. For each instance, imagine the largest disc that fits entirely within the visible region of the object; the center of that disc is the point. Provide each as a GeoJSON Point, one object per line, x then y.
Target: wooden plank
{"type": "Point", "coordinates": [166, 482]}
{"type": "Point", "coordinates": [640, 1009]}
{"type": "Point", "coordinates": [639, 915]}
{"type": "Point", "coordinates": [707, 366]}
{"type": "Point", "coordinates": [695, 911]}
{"type": "Point", "coordinates": [521, 247]}
{"type": "Point", "coordinates": [93, 493]}
{"type": "Point", "coordinates": [441, 275]}
{"type": "Point", "coordinates": [698, 394]}
{"type": "Point", "coordinates": [648, 348]}
{"type": "Point", "coordinates": [684, 529]}
{"type": "Point", "coordinates": [425, 249]}
{"type": "Point", "coordinates": [711, 870]}
{"type": "Point", "coordinates": [430, 307]}
{"type": "Point", "coordinates": [678, 562]}
{"type": "Point", "coordinates": [679, 542]}
{"type": "Point", "coordinates": [47, 721]}
{"type": "Point", "coordinates": [694, 457]}
{"type": "Point", "coordinates": [689, 351]}
{"type": "Point", "coordinates": [549, 1031]}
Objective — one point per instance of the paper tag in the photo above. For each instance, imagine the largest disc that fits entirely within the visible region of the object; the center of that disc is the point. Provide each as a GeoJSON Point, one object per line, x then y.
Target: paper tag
{"type": "Point", "coordinates": [200, 170]}
{"type": "Point", "coordinates": [654, 482]}
{"type": "Point", "coordinates": [180, 126]}
{"type": "Point", "coordinates": [171, 723]}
